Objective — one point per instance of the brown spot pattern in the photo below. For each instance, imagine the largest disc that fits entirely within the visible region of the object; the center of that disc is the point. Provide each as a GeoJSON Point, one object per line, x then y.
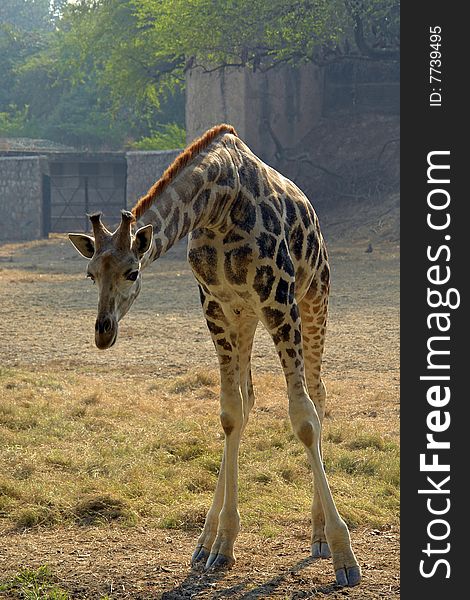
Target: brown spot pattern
{"type": "Point", "coordinates": [236, 264]}
{"type": "Point", "coordinates": [204, 262]}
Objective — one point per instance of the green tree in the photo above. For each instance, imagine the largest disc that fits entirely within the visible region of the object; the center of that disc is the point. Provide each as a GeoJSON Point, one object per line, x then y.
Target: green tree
{"type": "Point", "coordinates": [141, 49]}
{"type": "Point", "coordinates": [24, 29]}
{"type": "Point", "coordinates": [111, 71]}
{"type": "Point", "coordinates": [238, 33]}
{"type": "Point", "coordinates": [27, 15]}
{"type": "Point", "coordinates": [59, 76]}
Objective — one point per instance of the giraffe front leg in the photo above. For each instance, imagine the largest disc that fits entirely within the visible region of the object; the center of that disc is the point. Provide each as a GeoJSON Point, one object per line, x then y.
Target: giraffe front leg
{"type": "Point", "coordinates": [231, 418]}
{"type": "Point", "coordinates": [209, 531]}
{"type": "Point", "coordinates": [320, 547]}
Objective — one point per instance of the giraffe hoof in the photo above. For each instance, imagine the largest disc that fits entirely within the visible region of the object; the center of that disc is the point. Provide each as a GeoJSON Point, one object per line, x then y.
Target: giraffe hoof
{"type": "Point", "coordinates": [199, 556]}
{"type": "Point", "coordinates": [348, 576]}
{"type": "Point", "coordinates": [219, 561]}
{"type": "Point", "coordinates": [321, 550]}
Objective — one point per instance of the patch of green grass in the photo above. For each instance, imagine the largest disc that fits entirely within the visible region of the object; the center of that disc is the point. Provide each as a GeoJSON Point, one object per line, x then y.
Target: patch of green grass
{"type": "Point", "coordinates": [6, 373]}
{"type": "Point", "coordinates": [92, 399]}
{"type": "Point", "coordinates": [210, 463]}
{"type": "Point", "coordinates": [364, 472]}
{"type": "Point", "coordinates": [201, 482]}
{"type": "Point", "coordinates": [59, 460]}
{"type": "Point", "coordinates": [184, 450]}
{"type": "Point", "coordinates": [23, 471]}
{"type": "Point", "coordinates": [263, 477]}
{"type": "Point", "coordinates": [16, 418]}
{"type": "Point", "coordinates": [269, 530]}
{"type": "Point", "coordinates": [335, 435]}
{"type": "Point", "coordinates": [9, 489]}
{"type": "Point", "coordinates": [34, 584]}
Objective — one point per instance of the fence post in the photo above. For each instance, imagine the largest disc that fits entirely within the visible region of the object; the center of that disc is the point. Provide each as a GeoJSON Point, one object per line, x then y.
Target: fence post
{"type": "Point", "coordinates": [46, 205]}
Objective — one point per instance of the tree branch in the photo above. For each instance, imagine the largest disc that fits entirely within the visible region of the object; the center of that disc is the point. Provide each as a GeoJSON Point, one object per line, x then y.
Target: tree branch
{"type": "Point", "coordinates": [385, 145]}
{"type": "Point", "coordinates": [285, 154]}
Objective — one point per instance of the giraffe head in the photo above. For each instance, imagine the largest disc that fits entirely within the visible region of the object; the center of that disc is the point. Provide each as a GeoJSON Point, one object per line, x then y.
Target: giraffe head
{"type": "Point", "coordinates": [115, 268]}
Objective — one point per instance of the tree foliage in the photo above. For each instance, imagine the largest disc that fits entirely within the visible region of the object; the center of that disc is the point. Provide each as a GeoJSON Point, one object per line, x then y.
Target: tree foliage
{"type": "Point", "coordinates": [61, 82]}
{"type": "Point", "coordinates": [142, 48]}
{"type": "Point", "coordinates": [268, 32]}
{"type": "Point", "coordinates": [29, 15]}
{"type": "Point", "coordinates": [103, 72]}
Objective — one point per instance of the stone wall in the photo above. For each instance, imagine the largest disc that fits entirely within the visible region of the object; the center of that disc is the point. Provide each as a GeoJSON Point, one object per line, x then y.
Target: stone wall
{"type": "Point", "coordinates": [21, 197]}
{"type": "Point", "coordinates": [143, 170]}
{"type": "Point", "coordinates": [21, 187]}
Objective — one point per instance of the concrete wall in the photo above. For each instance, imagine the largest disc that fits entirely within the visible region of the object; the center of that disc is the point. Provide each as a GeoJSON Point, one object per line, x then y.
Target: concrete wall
{"type": "Point", "coordinates": [21, 197]}
{"type": "Point", "coordinates": [213, 98]}
{"type": "Point", "coordinates": [289, 99]}
{"type": "Point", "coordinates": [143, 170]}
{"type": "Point", "coordinates": [358, 87]}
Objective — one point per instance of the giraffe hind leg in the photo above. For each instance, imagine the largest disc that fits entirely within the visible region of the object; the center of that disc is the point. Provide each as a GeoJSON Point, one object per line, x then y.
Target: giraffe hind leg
{"type": "Point", "coordinates": [286, 332]}
{"type": "Point", "coordinates": [313, 313]}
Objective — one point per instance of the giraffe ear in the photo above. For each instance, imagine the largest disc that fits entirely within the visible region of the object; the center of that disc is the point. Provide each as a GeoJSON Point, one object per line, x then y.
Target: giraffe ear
{"type": "Point", "coordinates": [85, 244]}
{"type": "Point", "coordinates": [143, 239]}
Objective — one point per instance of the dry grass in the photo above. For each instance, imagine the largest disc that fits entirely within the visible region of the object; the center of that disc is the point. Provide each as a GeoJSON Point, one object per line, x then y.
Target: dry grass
{"type": "Point", "coordinates": [76, 451]}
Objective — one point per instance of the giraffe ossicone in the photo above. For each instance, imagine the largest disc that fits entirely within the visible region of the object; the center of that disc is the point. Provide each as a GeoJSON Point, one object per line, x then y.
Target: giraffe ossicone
{"type": "Point", "coordinates": [257, 252]}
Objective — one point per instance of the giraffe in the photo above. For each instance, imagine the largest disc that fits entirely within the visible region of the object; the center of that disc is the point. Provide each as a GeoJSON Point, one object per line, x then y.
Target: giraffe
{"type": "Point", "coordinates": [257, 253]}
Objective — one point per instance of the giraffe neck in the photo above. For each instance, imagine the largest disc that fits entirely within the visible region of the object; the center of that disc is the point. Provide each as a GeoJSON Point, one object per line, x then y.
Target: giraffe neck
{"type": "Point", "coordinates": [199, 196]}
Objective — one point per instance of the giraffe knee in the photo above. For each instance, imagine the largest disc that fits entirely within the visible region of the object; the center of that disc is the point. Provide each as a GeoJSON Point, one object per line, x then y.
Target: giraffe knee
{"type": "Point", "coordinates": [306, 434]}
{"type": "Point", "coordinates": [306, 423]}
{"type": "Point", "coordinates": [232, 419]}
{"type": "Point", "coordinates": [228, 422]}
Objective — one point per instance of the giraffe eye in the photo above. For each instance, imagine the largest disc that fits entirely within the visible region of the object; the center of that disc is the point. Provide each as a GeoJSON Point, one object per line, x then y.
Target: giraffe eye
{"type": "Point", "coordinates": [132, 275]}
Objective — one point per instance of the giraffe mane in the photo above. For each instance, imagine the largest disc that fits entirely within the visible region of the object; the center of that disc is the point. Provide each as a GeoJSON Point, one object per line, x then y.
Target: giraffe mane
{"type": "Point", "coordinates": [178, 164]}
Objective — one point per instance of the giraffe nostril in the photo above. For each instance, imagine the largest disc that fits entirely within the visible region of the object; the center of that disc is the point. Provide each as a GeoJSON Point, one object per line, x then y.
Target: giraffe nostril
{"type": "Point", "coordinates": [103, 325]}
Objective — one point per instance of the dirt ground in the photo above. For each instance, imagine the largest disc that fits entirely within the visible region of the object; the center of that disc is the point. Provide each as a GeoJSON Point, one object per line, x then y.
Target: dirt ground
{"type": "Point", "coordinates": [48, 311]}
{"type": "Point", "coordinates": [154, 564]}
{"type": "Point", "coordinates": [51, 310]}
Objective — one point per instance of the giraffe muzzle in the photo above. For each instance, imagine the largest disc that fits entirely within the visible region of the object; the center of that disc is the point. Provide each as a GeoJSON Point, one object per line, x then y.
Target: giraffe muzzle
{"type": "Point", "coordinates": [106, 330]}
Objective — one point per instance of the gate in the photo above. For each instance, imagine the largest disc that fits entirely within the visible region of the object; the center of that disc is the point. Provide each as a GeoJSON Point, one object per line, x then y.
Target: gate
{"type": "Point", "coordinates": [74, 189]}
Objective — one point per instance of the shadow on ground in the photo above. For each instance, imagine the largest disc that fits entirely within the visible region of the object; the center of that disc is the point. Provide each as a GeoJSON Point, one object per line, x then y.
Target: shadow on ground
{"type": "Point", "coordinates": [197, 584]}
